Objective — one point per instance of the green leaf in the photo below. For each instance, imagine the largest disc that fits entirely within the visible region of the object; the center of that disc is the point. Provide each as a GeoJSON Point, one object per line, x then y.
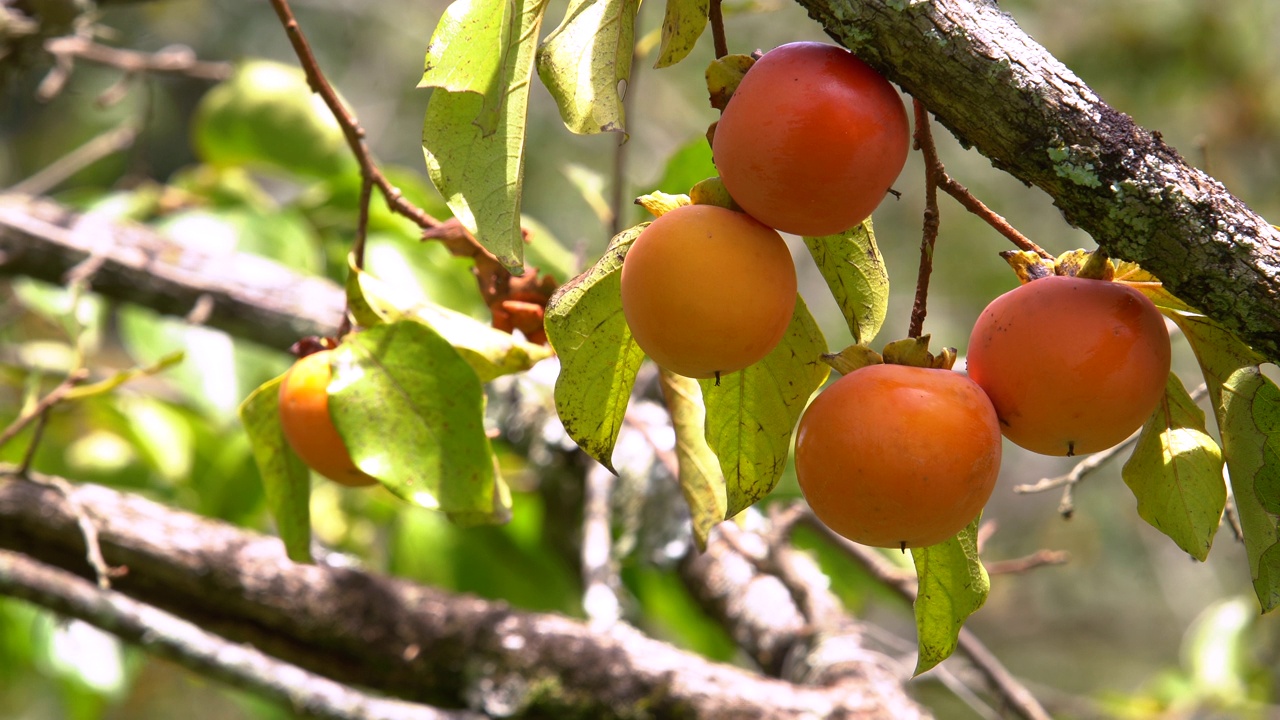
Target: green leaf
{"type": "Point", "coordinates": [586, 63]}
{"type": "Point", "coordinates": [480, 59]}
{"type": "Point", "coordinates": [681, 26]}
{"type": "Point", "coordinates": [751, 413]}
{"type": "Point", "coordinates": [598, 357]}
{"type": "Point", "coordinates": [1247, 405]}
{"type": "Point", "coordinates": [265, 115]}
{"type": "Point", "coordinates": [490, 352]}
{"type": "Point", "coordinates": [285, 478]}
{"type": "Point", "coordinates": [953, 585]}
{"type": "Point", "coordinates": [411, 412]}
{"type": "Point", "coordinates": [700, 478]}
{"type": "Point", "coordinates": [854, 270]}
{"type": "Point", "coordinates": [1250, 424]}
{"type": "Point", "coordinates": [1175, 472]}
{"type": "Point", "coordinates": [688, 165]}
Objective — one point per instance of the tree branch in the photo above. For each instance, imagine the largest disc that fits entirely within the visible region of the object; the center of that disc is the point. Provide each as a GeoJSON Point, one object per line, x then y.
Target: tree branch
{"type": "Point", "coordinates": [186, 644]}
{"type": "Point", "coordinates": [250, 296]}
{"type": "Point", "coordinates": [406, 640]}
{"type": "Point", "coordinates": [997, 89]}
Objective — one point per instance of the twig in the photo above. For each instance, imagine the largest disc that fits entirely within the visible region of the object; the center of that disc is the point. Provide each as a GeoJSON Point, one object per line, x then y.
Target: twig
{"type": "Point", "coordinates": [1088, 466]}
{"type": "Point", "coordinates": [188, 645]}
{"type": "Point", "coordinates": [1009, 688]}
{"type": "Point", "coordinates": [716, 18]}
{"type": "Point", "coordinates": [173, 60]}
{"type": "Point", "coordinates": [991, 217]}
{"type": "Point", "coordinates": [933, 173]}
{"type": "Point", "coordinates": [936, 177]}
{"type": "Point", "coordinates": [88, 528]}
{"type": "Point", "coordinates": [57, 172]}
{"type": "Point", "coordinates": [599, 574]}
{"type": "Point", "coordinates": [43, 405]}
{"type": "Point", "coordinates": [351, 128]}
{"type": "Point", "coordinates": [1039, 558]}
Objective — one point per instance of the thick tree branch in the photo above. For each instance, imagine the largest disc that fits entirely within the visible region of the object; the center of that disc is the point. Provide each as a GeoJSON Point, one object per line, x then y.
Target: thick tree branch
{"type": "Point", "coordinates": [1000, 91]}
{"type": "Point", "coordinates": [399, 638]}
{"type": "Point", "coordinates": [188, 645]}
{"type": "Point", "coordinates": [247, 295]}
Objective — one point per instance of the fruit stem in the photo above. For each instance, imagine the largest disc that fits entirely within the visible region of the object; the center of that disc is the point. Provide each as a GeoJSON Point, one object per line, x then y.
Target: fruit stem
{"type": "Point", "coordinates": [716, 18]}
{"type": "Point", "coordinates": [933, 174]}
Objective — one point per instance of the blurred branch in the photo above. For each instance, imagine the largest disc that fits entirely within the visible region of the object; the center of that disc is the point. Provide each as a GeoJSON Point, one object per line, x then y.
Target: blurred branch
{"type": "Point", "coordinates": [246, 295]}
{"type": "Point", "coordinates": [1001, 681]}
{"type": "Point", "coordinates": [108, 143]}
{"type": "Point", "coordinates": [998, 90]}
{"type": "Point", "coordinates": [177, 640]}
{"type": "Point", "coordinates": [351, 128]}
{"type": "Point", "coordinates": [407, 640]}
{"type": "Point", "coordinates": [172, 60]}
{"type": "Point", "coordinates": [1037, 559]}
{"type": "Point", "coordinates": [53, 397]}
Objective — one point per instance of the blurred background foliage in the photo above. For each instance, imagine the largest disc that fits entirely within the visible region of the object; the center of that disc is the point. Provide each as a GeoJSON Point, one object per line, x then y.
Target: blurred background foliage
{"type": "Point", "coordinates": [1130, 627]}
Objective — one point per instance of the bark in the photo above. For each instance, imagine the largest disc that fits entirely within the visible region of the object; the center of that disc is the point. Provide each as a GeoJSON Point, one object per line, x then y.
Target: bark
{"type": "Point", "coordinates": [246, 295]}
{"type": "Point", "coordinates": [407, 640]}
{"type": "Point", "coordinates": [998, 90]}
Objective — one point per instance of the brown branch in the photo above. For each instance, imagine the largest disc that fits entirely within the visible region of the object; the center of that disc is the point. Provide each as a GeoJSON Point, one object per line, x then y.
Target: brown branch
{"type": "Point", "coordinates": [715, 17]}
{"type": "Point", "coordinates": [998, 90]}
{"type": "Point", "coordinates": [406, 640]}
{"type": "Point", "coordinates": [174, 639]}
{"type": "Point", "coordinates": [933, 173]}
{"type": "Point", "coordinates": [991, 217]}
{"type": "Point", "coordinates": [351, 128]}
{"type": "Point", "coordinates": [246, 295]}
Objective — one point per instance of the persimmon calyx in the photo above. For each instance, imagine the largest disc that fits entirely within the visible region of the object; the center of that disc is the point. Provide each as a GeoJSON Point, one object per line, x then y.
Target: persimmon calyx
{"type": "Point", "coordinates": [1088, 264]}
{"type": "Point", "coordinates": [913, 352]}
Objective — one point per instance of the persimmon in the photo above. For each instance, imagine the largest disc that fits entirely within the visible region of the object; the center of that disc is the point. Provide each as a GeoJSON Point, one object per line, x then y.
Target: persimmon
{"type": "Point", "coordinates": [811, 139]}
{"type": "Point", "coordinates": [898, 456]}
{"type": "Point", "coordinates": [707, 291]}
{"type": "Point", "coordinates": [1072, 365]}
{"type": "Point", "coordinates": [307, 425]}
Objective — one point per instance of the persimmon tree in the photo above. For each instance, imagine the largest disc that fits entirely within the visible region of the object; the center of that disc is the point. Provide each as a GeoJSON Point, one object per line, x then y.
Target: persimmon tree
{"type": "Point", "coordinates": [429, 397]}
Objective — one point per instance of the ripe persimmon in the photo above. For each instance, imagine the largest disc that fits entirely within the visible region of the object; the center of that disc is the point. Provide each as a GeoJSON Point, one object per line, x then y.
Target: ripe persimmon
{"type": "Point", "coordinates": [707, 291]}
{"type": "Point", "coordinates": [307, 425]}
{"type": "Point", "coordinates": [898, 456]}
{"type": "Point", "coordinates": [811, 139]}
{"type": "Point", "coordinates": [1072, 365]}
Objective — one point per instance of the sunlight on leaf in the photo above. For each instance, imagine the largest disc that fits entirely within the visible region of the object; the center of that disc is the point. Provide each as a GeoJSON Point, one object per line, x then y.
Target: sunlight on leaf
{"type": "Point", "coordinates": [480, 61]}
{"type": "Point", "coordinates": [1247, 405]}
{"type": "Point", "coordinates": [953, 585]}
{"type": "Point", "coordinates": [598, 357]}
{"type": "Point", "coordinates": [681, 27]}
{"type": "Point", "coordinates": [700, 478]}
{"type": "Point", "coordinates": [854, 270]}
{"type": "Point", "coordinates": [490, 352]}
{"type": "Point", "coordinates": [286, 480]}
{"type": "Point", "coordinates": [751, 413]}
{"type": "Point", "coordinates": [411, 411]}
{"type": "Point", "coordinates": [1175, 472]}
{"type": "Point", "coordinates": [586, 64]}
